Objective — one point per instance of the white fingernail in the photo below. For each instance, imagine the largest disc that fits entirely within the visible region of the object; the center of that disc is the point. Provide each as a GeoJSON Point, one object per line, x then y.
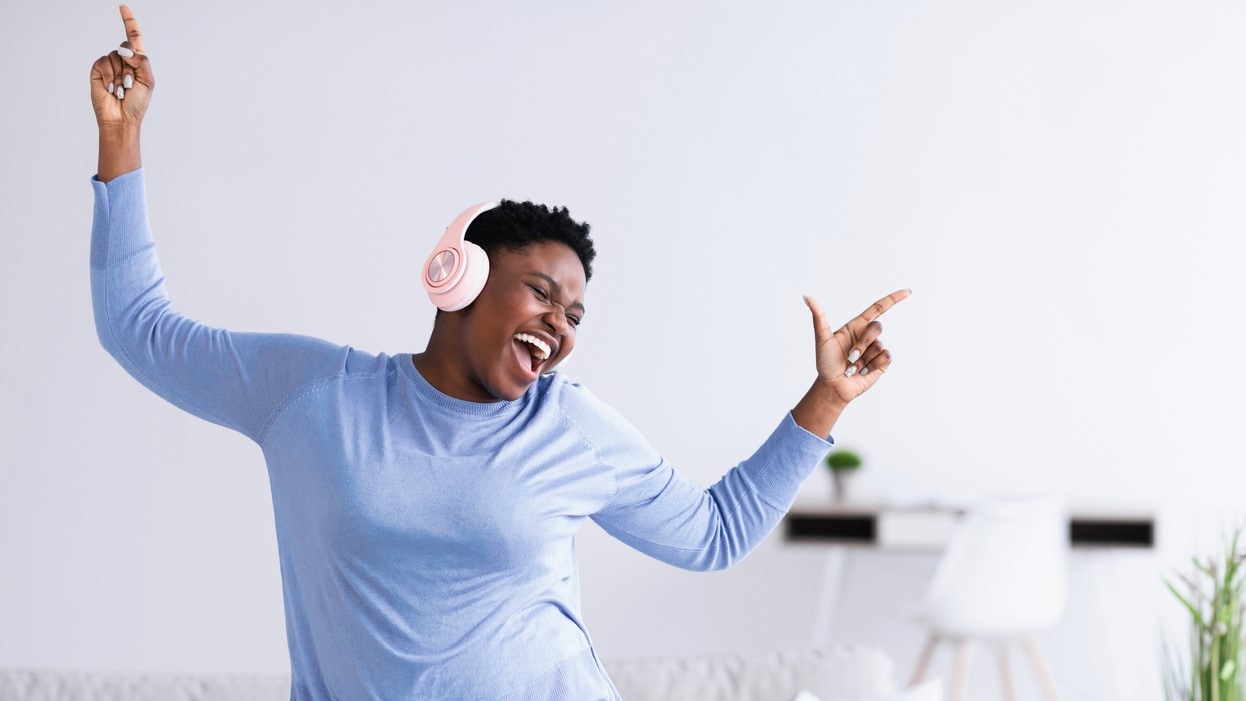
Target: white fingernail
{"type": "Point", "coordinates": [120, 93]}
{"type": "Point", "coordinates": [128, 81]}
{"type": "Point", "coordinates": [124, 52]}
{"type": "Point", "coordinates": [852, 370]}
{"type": "Point", "coordinates": [853, 357]}
{"type": "Point", "coordinates": [110, 87]}
{"type": "Point", "coordinates": [865, 371]}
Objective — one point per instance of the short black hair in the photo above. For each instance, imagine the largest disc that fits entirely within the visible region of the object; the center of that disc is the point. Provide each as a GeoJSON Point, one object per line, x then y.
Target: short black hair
{"type": "Point", "coordinates": [514, 226]}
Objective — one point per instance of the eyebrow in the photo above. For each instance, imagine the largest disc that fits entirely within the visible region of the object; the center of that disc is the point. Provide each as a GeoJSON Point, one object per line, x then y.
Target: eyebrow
{"type": "Point", "coordinates": [557, 288]}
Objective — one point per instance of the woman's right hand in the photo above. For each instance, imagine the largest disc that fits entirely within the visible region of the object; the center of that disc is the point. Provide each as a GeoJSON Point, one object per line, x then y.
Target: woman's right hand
{"type": "Point", "coordinates": [121, 84]}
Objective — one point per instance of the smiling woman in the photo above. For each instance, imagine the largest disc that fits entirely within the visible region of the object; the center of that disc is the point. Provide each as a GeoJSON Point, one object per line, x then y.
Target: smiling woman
{"type": "Point", "coordinates": [426, 504]}
{"type": "Point", "coordinates": [522, 324]}
{"type": "Point", "coordinates": [528, 302]}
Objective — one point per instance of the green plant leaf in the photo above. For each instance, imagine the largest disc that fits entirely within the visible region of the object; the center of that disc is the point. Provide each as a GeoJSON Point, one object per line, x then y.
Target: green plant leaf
{"type": "Point", "coordinates": [1203, 568]}
{"type": "Point", "coordinates": [1218, 617]}
{"type": "Point", "coordinates": [1194, 612]}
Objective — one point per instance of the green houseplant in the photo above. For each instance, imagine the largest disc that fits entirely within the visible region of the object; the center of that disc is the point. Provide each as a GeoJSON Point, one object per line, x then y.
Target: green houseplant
{"type": "Point", "coordinates": [1213, 598]}
{"type": "Point", "coordinates": [843, 464]}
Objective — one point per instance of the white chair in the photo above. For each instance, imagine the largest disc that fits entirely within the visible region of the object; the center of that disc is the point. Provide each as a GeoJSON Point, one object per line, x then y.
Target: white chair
{"type": "Point", "coordinates": [1003, 581]}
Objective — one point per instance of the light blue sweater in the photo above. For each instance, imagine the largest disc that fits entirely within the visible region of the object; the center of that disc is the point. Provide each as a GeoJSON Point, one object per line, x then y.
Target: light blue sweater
{"type": "Point", "coordinates": [427, 543]}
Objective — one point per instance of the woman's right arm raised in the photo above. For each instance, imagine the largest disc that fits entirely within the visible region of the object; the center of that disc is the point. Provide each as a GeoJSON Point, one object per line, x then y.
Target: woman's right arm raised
{"type": "Point", "coordinates": [238, 380]}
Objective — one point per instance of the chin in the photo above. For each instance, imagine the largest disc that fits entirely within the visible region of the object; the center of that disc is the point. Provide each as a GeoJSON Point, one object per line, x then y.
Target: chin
{"type": "Point", "coordinates": [510, 392]}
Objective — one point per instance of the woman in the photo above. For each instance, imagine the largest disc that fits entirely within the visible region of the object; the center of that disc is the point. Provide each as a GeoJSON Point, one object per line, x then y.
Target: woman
{"type": "Point", "coordinates": [426, 503]}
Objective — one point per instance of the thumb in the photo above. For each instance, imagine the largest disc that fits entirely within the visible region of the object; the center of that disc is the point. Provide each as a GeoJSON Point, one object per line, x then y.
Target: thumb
{"type": "Point", "coordinates": [821, 330]}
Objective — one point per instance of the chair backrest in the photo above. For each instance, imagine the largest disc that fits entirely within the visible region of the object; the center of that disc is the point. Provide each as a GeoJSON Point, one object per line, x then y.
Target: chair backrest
{"type": "Point", "coordinates": [1004, 573]}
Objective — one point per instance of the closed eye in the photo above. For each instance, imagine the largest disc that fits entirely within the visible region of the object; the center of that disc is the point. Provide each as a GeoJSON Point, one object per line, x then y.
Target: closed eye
{"type": "Point", "coordinates": [544, 295]}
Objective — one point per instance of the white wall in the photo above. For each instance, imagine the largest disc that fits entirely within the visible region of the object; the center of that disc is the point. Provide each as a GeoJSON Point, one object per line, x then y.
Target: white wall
{"type": "Point", "coordinates": [1060, 183]}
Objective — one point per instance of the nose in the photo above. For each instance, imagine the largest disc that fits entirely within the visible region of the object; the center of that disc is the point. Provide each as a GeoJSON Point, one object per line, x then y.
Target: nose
{"type": "Point", "coordinates": [556, 320]}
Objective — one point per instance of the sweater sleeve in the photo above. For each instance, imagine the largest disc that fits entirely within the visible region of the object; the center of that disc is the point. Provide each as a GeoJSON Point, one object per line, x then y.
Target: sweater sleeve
{"type": "Point", "coordinates": [660, 512]}
{"type": "Point", "coordinates": [236, 380]}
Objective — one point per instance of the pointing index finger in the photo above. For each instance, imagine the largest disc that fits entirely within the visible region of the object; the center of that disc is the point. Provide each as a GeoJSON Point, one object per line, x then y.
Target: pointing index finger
{"type": "Point", "coordinates": [132, 33]}
{"type": "Point", "coordinates": [878, 308]}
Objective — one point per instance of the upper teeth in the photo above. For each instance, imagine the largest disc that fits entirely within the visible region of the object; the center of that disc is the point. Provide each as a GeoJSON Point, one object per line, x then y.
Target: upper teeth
{"type": "Point", "coordinates": [541, 346]}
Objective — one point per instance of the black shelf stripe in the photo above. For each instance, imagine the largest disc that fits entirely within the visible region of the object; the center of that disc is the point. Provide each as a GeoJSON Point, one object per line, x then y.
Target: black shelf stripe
{"type": "Point", "coordinates": [863, 529]}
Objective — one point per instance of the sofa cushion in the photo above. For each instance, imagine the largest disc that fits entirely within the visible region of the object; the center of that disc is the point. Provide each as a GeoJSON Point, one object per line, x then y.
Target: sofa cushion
{"type": "Point", "coordinates": [831, 674]}
{"type": "Point", "coordinates": [927, 691]}
{"type": "Point", "coordinates": [41, 685]}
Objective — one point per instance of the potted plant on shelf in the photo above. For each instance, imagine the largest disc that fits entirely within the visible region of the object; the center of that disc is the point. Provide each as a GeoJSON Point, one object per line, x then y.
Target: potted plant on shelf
{"type": "Point", "coordinates": [843, 463]}
{"type": "Point", "coordinates": [1214, 599]}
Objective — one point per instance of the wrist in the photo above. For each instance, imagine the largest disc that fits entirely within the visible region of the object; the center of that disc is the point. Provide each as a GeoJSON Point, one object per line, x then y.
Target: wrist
{"type": "Point", "coordinates": [119, 133]}
{"type": "Point", "coordinates": [827, 395]}
{"type": "Point", "coordinates": [119, 151]}
{"type": "Point", "coordinates": [820, 408]}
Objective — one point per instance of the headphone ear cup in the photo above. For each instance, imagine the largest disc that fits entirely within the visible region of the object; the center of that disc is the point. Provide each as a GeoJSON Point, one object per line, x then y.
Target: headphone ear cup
{"type": "Point", "coordinates": [457, 269]}
{"type": "Point", "coordinates": [467, 288]}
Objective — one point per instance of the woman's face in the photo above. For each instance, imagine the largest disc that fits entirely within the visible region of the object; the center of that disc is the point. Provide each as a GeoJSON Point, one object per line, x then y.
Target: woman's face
{"type": "Point", "coordinates": [524, 321]}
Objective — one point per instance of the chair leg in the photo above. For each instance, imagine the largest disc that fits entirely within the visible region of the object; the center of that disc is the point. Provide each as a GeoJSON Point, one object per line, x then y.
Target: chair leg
{"type": "Point", "coordinates": [1041, 670]}
{"type": "Point", "coordinates": [923, 663]}
{"type": "Point", "coordinates": [1005, 673]}
{"type": "Point", "coordinates": [960, 674]}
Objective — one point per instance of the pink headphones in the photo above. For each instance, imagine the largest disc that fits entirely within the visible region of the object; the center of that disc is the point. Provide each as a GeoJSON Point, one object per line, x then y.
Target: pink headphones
{"type": "Point", "coordinates": [456, 271]}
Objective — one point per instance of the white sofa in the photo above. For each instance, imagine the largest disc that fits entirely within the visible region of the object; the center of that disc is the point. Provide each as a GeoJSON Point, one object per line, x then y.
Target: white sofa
{"type": "Point", "coordinates": [835, 674]}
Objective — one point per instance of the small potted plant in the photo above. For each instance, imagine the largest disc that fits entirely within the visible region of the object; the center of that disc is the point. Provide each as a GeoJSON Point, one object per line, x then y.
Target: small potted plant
{"type": "Point", "coordinates": [843, 464]}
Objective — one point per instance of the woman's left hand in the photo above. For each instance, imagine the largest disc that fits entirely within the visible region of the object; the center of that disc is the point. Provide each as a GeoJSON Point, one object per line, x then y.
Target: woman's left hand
{"type": "Point", "coordinates": [852, 358]}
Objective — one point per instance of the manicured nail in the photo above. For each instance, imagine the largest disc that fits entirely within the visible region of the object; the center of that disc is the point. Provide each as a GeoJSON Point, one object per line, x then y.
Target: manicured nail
{"type": "Point", "coordinates": [127, 82]}
{"type": "Point", "coordinates": [852, 370]}
{"type": "Point", "coordinates": [110, 87]}
{"type": "Point", "coordinates": [120, 93]}
{"type": "Point", "coordinates": [865, 371]}
{"type": "Point", "coordinates": [125, 53]}
{"type": "Point", "coordinates": [853, 357]}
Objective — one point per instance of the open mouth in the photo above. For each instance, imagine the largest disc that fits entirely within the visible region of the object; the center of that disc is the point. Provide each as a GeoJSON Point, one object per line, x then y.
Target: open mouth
{"type": "Point", "coordinates": [538, 350]}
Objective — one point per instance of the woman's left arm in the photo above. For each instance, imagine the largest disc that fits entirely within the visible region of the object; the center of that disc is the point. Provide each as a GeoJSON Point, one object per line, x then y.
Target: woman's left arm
{"type": "Point", "coordinates": [663, 514]}
{"type": "Point", "coordinates": [660, 512]}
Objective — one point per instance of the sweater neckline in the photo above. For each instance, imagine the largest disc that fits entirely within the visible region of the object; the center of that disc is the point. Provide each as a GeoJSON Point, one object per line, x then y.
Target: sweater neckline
{"type": "Point", "coordinates": [431, 394]}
